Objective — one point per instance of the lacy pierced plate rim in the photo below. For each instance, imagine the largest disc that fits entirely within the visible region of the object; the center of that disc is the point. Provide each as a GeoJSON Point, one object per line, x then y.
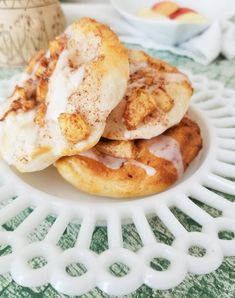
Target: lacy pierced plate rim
{"type": "Point", "coordinates": [221, 150]}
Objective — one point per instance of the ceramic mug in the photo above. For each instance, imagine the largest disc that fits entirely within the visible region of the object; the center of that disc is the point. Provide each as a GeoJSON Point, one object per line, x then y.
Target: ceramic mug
{"type": "Point", "coordinates": [27, 26]}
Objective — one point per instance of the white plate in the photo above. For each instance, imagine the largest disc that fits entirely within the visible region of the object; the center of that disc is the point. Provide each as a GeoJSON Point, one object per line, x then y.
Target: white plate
{"type": "Point", "coordinates": [171, 32]}
{"type": "Point", "coordinates": [214, 109]}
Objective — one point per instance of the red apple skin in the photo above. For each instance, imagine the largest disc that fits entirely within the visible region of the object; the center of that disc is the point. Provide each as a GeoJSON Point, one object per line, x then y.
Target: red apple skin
{"type": "Point", "coordinates": [181, 11]}
{"type": "Point", "coordinates": [166, 7]}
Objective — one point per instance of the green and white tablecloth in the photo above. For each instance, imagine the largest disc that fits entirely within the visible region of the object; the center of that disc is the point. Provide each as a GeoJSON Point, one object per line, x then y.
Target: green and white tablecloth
{"type": "Point", "coordinates": [218, 284]}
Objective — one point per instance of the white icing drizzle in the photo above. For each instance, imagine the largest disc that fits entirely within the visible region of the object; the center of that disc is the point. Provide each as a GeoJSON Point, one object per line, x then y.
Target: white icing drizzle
{"type": "Point", "coordinates": [167, 148]}
{"type": "Point", "coordinates": [149, 170]}
{"type": "Point", "coordinates": [127, 134]}
{"type": "Point", "coordinates": [115, 163]}
{"type": "Point", "coordinates": [90, 154]}
{"type": "Point", "coordinates": [110, 162]}
{"type": "Point", "coordinates": [63, 82]}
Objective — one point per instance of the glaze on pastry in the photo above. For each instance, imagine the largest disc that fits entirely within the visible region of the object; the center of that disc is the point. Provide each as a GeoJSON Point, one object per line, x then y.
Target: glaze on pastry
{"type": "Point", "coordinates": [134, 168]}
{"type": "Point", "coordinates": [157, 98]}
{"type": "Point", "coordinates": [62, 100]}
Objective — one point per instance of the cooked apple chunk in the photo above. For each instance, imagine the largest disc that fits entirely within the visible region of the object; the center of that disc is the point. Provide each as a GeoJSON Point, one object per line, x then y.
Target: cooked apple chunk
{"type": "Point", "coordinates": [21, 101]}
{"type": "Point", "coordinates": [73, 127]}
{"type": "Point", "coordinates": [42, 89]}
{"type": "Point", "coordinates": [51, 67]}
{"type": "Point", "coordinates": [33, 61]}
{"type": "Point", "coordinates": [19, 93]}
{"type": "Point", "coordinates": [42, 68]}
{"type": "Point", "coordinates": [120, 149]}
{"type": "Point", "coordinates": [30, 88]}
{"type": "Point", "coordinates": [140, 104]}
{"type": "Point", "coordinates": [57, 46]}
{"type": "Point", "coordinates": [40, 115]}
{"type": "Point", "coordinates": [163, 100]}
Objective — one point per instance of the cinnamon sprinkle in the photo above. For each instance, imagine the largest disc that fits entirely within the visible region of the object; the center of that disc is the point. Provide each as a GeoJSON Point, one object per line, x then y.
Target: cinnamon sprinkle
{"type": "Point", "coordinates": [34, 90]}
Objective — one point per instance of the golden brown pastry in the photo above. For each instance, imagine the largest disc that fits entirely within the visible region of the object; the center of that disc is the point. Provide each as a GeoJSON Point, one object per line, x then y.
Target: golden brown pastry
{"type": "Point", "coordinates": [157, 98]}
{"type": "Point", "coordinates": [60, 104]}
{"type": "Point", "coordinates": [134, 168]}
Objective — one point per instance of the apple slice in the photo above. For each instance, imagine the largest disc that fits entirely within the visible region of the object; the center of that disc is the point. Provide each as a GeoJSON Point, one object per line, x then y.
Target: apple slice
{"type": "Point", "coordinates": [149, 13]}
{"type": "Point", "coordinates": [188, 15]}
{"type": "Point", "coordinates": [181, 11]}
{"type": "Point", "coordinates": [165, 8]}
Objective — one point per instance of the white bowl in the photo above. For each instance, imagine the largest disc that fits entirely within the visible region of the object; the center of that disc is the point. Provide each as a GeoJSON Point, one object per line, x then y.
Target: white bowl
{"type": "Point", "coordinates": [173, 32]}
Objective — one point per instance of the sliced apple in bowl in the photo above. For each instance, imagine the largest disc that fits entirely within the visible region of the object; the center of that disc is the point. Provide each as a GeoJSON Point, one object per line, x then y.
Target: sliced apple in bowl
{"type": "Point", "coordinates": [152, 18]}
{"type": "Point", "coordinates": [165, 8]}
{"type": "Point", "coordinates": [188, 15]}
{"type": "Point", "coordinates": [149, 13]}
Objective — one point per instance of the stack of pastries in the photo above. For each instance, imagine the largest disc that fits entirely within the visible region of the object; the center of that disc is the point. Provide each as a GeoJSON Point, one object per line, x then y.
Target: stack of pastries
{"type": "Point", "coordinates": [113, 121]}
